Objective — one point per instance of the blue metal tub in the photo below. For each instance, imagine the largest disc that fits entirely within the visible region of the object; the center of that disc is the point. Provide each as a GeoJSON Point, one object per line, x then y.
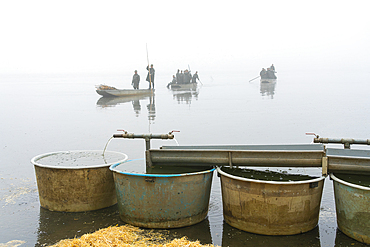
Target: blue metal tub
{"type": "Point", "coordinates": [352, 204]}
{"type": "Point", "coordinates": [162, 200]}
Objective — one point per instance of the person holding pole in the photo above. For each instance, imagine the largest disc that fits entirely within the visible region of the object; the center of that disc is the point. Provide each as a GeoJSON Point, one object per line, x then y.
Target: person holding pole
{"type": "Point", "coordinates": [195, 77]}
{"type": "Point", "coordinates": [150, 76]}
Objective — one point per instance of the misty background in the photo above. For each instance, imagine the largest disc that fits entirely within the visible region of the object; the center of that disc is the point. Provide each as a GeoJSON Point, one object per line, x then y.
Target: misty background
{"type": "Point", "coordinates": [230, 36]}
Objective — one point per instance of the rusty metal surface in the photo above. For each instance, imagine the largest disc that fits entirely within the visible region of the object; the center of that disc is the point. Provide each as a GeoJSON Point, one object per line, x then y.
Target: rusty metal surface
{"type": "Point", "coordinates": [283, 158]}
{"type": "Point", "coordinates": [75, 190]}
{"type": "Point", "coordinates": [348, 161]}
{"type": "Point", "coordinates": [275, 147]}
{"type": "Point", "coordinates": [345, 141]}
{"type": "Point", "coordinates": [271, 208]}
{"type": "Point", "coordinates": [163, 201]}
{"type": "Point", "coordinates": [352, 204]}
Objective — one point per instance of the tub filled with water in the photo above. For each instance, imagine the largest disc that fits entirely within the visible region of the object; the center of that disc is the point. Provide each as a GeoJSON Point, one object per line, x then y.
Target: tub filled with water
{"type": "Point", "coordinates": [352, 202]}
{"type": "Point", "coordinates": [75, 181]}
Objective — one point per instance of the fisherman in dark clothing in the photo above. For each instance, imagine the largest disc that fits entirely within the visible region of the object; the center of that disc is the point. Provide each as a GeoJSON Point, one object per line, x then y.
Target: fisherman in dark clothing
{"type": "Point", "coordinates": [195, 77]}
{"type": "Point", "coordinates": [187, 76]}
{"type": "Point", "coordinates": [263, 74]}
{"type": "Point", "coordinates": [150, 76]}
{"type": "Point", "coordinates": [181, 78]}
{"type": "Point", "coordinates": [271, 74]}
{"type": "Point", "coordinates": [272, 67]}
{"type": "Point", "coordinates": [172, 82]}
{"type": "Point", "coordinates": [178, 75]}
{"type": "Point", "coordinates": [135, 80]}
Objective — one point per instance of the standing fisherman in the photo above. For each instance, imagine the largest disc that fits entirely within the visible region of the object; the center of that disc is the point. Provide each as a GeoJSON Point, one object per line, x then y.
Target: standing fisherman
{"type": "Point", "coordinates": [181, 78]}
{"type": "Point", "coordinates": [135, 80]}
{"type": "Point", "coordinates": [178, 76]}
{"type": "Point", "coordinates": [150, 76]}
{"type": "Point", "coordinates": [272, 67]}
{"type": "Point", "coordinates": [187, 76]}
{"type": "Point", "coordinates": [195, 77]}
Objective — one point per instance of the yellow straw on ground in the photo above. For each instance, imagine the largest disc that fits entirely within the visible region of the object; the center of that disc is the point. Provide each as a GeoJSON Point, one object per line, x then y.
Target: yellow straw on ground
{"type": "Point", "coordinates": [126, 236]}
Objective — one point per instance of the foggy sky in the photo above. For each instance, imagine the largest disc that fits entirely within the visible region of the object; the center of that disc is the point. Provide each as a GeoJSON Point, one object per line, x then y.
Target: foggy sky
{"type": "Point", "coordinates": [111, 36]}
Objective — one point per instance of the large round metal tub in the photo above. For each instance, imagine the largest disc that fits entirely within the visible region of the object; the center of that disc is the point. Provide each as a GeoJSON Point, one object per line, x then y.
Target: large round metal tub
{"type": "Point", "coordinates": [162, 200]}
{"type": "Point", "coordinates": [75, 181]}
{"type": "Point", "coordinates": [352, 202]}
{"type": "Point", "coordinates": [271, 207]}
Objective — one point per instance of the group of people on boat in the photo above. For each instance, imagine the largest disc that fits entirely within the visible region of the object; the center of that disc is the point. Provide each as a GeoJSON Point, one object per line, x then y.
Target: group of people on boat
{"type": "Point", "coordinates": [269, 73]}
{"type": "Point", "coordinates": [149, 78]}
{"type": "Point", "coordinates": [184, 77]}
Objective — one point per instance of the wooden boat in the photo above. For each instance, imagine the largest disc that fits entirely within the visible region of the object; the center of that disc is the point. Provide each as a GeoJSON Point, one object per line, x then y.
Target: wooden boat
{"type": "Point", "coordinates": [107, 91]}
{"type": "Point", "coordinates": [183, 86]}
{"type": "Point", "coordinates": [268, 80]}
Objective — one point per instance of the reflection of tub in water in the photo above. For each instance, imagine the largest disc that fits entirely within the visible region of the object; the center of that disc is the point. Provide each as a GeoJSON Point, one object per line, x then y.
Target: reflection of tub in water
{"type": "Point", "coordinates": [234, 237]}
{"type": "Point", "coordinates": [352, 202]}
{"type": "Point", "coordinates": [75, 181]}
{"type": "Point", "coordinates": [54, 226]}
{"type": "Point", "coordinates": [271, 207]}
{"type": "Point", "coordinates": [162, 200]}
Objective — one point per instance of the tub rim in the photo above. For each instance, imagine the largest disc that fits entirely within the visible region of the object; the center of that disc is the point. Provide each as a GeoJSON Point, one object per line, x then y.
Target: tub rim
{"type": "Point", "coordinates": [112, 168]}
{"type": "Point", "coordinates": [332, 176]}
{"type": "Point", "coordinates": [269, 182]}
{"type": "Point", "coordinates": [38, 157]}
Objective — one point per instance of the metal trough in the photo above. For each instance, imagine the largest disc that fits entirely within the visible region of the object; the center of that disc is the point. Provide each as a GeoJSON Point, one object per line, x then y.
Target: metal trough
{"type": "Point", "coordinates": [271, 207]}
{"type": "Point", "coordinates": [348, 161]}
{"type": "Point", "coordinates": [299, 155]}
{"type": "Point", "coordinates": [75, 181]}
{"type": "Point", "coordinates": [162, 200]}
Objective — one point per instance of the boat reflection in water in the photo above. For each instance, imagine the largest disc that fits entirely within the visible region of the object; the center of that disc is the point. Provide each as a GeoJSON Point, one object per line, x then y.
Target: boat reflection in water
{"type": "Point", "coordinates": [105, 102]}
{"type": "Point", "coordinates": [185, 95]}
{"type": "Point", "coordinates": [267, 87]}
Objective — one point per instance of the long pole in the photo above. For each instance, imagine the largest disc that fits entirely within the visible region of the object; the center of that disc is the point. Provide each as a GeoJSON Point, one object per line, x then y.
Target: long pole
{"type": "Point", "coordinates": [150, 75]}
{"type": "Point", "coordinates": [150, 83]}
{"type": "Point", "coordinates": [254, 78]}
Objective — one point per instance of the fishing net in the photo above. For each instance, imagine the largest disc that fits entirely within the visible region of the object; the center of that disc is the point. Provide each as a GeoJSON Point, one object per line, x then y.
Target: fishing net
{"type": "Point", "coordinates": [104, 87]}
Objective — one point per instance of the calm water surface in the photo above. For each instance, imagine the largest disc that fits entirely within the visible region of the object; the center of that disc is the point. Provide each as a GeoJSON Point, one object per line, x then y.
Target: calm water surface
{"type": "Point", "coordinates": [49, 113]}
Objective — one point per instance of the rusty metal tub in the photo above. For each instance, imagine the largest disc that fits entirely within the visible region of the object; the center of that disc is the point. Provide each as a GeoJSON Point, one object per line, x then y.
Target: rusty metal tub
{"type": "Point", "coordinates": [352, 202]}
{"type": "Point", "coordinates": [271, 207]}
{"type": "Point", "coordinates": [162, 200]}
{"type": "Point", "coordinates": [76, 181]}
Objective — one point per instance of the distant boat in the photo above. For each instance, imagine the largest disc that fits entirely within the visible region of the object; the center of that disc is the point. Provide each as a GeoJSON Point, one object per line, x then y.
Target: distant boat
{"type": "Point", "coordinates": [268, 76]}
{"type": "Point", "coordinates": [108, 91]}
{"type": "Point", "coordinates": [183, 85]}
{"type": "Point", "coordinates": [268, 80]}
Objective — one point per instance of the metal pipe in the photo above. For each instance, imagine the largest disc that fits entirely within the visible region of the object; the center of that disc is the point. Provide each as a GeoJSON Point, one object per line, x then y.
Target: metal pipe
{"type": "Point", "coordinates": [146, 137]}
{"type": "Point", "coordinates": [345, 141]}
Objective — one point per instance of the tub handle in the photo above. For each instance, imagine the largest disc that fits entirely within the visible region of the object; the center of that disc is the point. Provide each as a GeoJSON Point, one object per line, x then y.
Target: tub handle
{"type": "Point", "coordinates": [314, 184]}
{"type": "Point", "coordinates": [149, 180]}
